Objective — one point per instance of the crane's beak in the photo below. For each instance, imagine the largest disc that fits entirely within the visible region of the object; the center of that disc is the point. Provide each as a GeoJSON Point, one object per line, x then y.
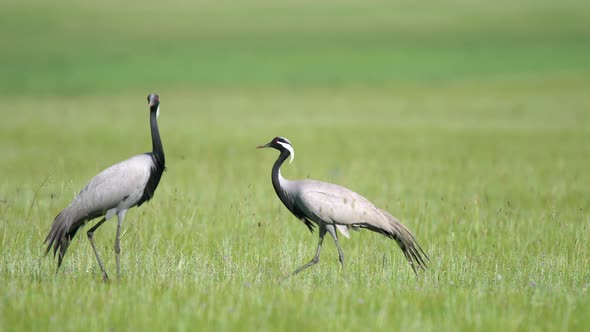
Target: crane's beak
{"type": "Point", "coordinates": [263, 146]}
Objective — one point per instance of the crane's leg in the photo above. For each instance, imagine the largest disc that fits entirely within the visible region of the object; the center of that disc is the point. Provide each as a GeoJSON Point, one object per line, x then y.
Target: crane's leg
{"type": "Point", "coordinates": [332, 230]}
{"type": "Point", "coordinates": [120, 217]}
{"type": "Point", "coordinates": [90, 234]}
{"type": "Point", "coordinates": [316, 259]}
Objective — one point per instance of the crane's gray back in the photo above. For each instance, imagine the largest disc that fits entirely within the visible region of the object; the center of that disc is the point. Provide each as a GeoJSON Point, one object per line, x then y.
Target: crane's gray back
{"type": "Point", "coordinates": [118, 187]}
{"type": "Point", "coordinates": [330, 203]}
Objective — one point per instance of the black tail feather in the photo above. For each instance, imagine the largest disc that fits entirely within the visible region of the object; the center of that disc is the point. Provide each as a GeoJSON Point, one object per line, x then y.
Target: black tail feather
{"type": "Point", "coordinates": [414, 254]}
{"type": "Point", "coordinates": [411, 249]}
{"type": "Point", "coordinates": [60, 235]}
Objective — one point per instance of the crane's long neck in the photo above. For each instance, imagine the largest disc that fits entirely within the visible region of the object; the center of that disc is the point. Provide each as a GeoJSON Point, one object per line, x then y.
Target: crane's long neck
{"type": "Point", "coordinates": [158, 159]}
{"type": "Point", "coordinates": [278, 181]}
{"type": "Point", "coordinates": [157, 149]}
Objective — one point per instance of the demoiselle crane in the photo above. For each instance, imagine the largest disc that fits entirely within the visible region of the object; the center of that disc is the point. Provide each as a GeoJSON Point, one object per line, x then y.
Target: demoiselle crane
{"type": "Point", "coordinates": [332, 207]}
{"type": "Point", "coordinates": [111, 192]}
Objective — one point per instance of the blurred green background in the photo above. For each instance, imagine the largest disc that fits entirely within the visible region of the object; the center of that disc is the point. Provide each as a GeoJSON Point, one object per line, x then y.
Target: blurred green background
{"type": "Point", "coordinates": [78, 46]}
{"type": "Point", "coordinates": [468, 120]}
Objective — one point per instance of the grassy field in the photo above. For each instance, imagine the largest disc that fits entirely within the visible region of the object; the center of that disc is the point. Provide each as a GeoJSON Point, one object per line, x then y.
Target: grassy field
{"type": "Point", "coordinates": [469, 121]}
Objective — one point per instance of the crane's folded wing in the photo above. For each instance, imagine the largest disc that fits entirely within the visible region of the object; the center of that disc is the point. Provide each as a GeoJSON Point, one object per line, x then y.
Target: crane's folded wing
{"type": "Point", "coordinates": [329, 203]}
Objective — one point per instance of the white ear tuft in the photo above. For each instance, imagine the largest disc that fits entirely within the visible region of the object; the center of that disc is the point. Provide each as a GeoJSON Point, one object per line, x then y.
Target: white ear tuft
{"type": "Point", "coordinates": [291, 151]}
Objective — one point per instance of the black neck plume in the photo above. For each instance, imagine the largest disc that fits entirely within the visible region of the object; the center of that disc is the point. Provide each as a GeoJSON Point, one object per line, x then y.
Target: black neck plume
{"type": "Point", "coordinates": [275, 176]}
{"type": "Point", "coordinates": [157, 149]}
{"type": "Point", "coordinates": [158, 158]}
{"type": "Point", "coordinates": [283, 196]}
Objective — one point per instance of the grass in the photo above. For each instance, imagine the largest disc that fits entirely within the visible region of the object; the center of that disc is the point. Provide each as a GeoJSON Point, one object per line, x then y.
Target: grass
{"type": "Point", "coordinates": [469, 124]}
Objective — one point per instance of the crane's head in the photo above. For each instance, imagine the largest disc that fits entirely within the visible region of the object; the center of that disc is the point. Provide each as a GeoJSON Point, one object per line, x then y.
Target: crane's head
{"type": "Point", "coordinates": [282, 144]}
{"type": "Point", "coordinates": [154, 103]}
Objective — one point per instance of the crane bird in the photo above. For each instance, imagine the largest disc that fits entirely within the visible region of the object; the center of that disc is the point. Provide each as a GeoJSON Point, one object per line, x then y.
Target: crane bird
{"type": "Point", "coordinates": [332, 207]}
{"type": "Point", "coordinates": [113, 191]}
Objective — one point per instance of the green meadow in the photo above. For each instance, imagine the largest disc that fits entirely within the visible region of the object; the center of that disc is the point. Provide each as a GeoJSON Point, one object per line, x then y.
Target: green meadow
{"type": "Point", "coordinates": [468, 120]}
